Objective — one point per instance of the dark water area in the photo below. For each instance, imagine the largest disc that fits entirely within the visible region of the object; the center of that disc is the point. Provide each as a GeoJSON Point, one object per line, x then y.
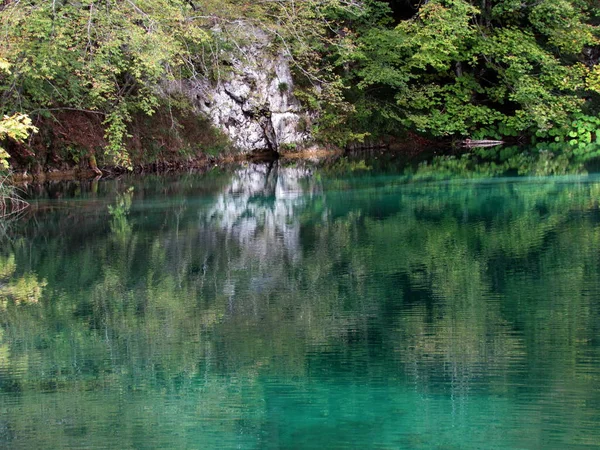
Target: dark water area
{"type": "Point", "coordinates": [272, 306]}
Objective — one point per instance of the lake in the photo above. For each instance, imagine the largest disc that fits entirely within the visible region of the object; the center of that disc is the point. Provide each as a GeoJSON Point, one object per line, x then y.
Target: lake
{"type": "Point", "coordinates": [299, 306]}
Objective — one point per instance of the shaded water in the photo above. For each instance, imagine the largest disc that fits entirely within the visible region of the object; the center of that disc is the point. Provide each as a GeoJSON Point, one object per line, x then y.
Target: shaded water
{"type": "Point", "coordinates": [300, 308]}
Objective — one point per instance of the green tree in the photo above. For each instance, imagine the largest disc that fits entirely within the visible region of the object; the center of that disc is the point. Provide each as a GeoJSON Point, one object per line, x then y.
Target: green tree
{"type": "Point", "coordinates": [491, 69]}
{"type": "Point", "coordinates": [100, 56]}
{"type": "Point", "coordinates": [17, 126]}
{"type": "Point", "coordinates": [112, 58]}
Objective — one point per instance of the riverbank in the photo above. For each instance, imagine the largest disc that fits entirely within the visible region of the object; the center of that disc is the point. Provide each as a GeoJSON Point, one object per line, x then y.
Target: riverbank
{"type": "Point", "coordinates": [173, 162]}
{"type": "Point", "coordinates": [81, 173]}
{"type": "Point", "coordinates": [199, 163]}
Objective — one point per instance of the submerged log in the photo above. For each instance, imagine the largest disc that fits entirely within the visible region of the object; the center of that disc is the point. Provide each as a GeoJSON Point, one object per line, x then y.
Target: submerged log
{"type": "Point", "coordinates": [480, 143]}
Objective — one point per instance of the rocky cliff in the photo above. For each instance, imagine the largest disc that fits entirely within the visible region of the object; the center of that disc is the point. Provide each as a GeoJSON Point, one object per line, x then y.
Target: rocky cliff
{"type": "Point", "coordinates": [252, 101]}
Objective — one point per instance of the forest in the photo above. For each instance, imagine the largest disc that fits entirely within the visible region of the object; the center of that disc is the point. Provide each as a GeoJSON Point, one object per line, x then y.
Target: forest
{"type": "Point", "coordinates": [81, 80]}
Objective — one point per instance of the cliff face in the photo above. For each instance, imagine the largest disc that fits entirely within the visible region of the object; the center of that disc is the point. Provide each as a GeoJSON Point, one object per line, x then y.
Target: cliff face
{"type": "Point", "coordinates": [253, 102]}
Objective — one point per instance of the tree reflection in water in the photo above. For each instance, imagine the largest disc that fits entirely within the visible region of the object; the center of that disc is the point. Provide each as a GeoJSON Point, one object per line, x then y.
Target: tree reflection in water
{"type": "Point", "coordinates": [198, 306]}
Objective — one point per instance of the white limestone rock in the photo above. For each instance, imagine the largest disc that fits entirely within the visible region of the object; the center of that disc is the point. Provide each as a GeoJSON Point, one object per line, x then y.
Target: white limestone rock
{"type": "Point", "coordinates": [253, 104]}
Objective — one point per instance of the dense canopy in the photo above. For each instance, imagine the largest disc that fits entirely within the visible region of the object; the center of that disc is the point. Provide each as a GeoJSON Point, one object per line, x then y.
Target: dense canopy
{"type": "Point", "coordinates": [442, 68]}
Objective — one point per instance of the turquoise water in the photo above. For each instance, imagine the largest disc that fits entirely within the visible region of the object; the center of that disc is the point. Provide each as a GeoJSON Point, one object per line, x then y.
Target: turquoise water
{"type": "Point", "coordinates": [290, 308]}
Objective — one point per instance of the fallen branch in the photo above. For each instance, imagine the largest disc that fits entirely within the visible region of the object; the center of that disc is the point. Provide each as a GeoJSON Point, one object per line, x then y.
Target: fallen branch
{"type": "Point", "coordinates": [470, 143]}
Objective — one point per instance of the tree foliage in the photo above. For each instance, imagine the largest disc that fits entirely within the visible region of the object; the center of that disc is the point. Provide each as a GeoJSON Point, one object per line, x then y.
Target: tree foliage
{"type": "Point", "coordinates": [456, 68]}
{"type": "Point", "coordinates": [106, 57]}
{"type": "Point", "coordinates": [112, 58]}
{"type": "Point", "coordinates": [17, 126]}
{"type": "Point", "coordinates": [491, 69]}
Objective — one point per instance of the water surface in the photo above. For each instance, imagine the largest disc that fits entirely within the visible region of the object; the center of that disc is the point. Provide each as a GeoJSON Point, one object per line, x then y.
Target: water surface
{"type": "Point", "coordinates": [276, 307]}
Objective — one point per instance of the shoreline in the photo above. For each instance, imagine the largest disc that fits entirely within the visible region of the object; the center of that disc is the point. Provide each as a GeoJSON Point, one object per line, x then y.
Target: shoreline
{"type": "Point", "coordinates": [202, 163]}
{"type": "Point", "coordinates": [199, 164]}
